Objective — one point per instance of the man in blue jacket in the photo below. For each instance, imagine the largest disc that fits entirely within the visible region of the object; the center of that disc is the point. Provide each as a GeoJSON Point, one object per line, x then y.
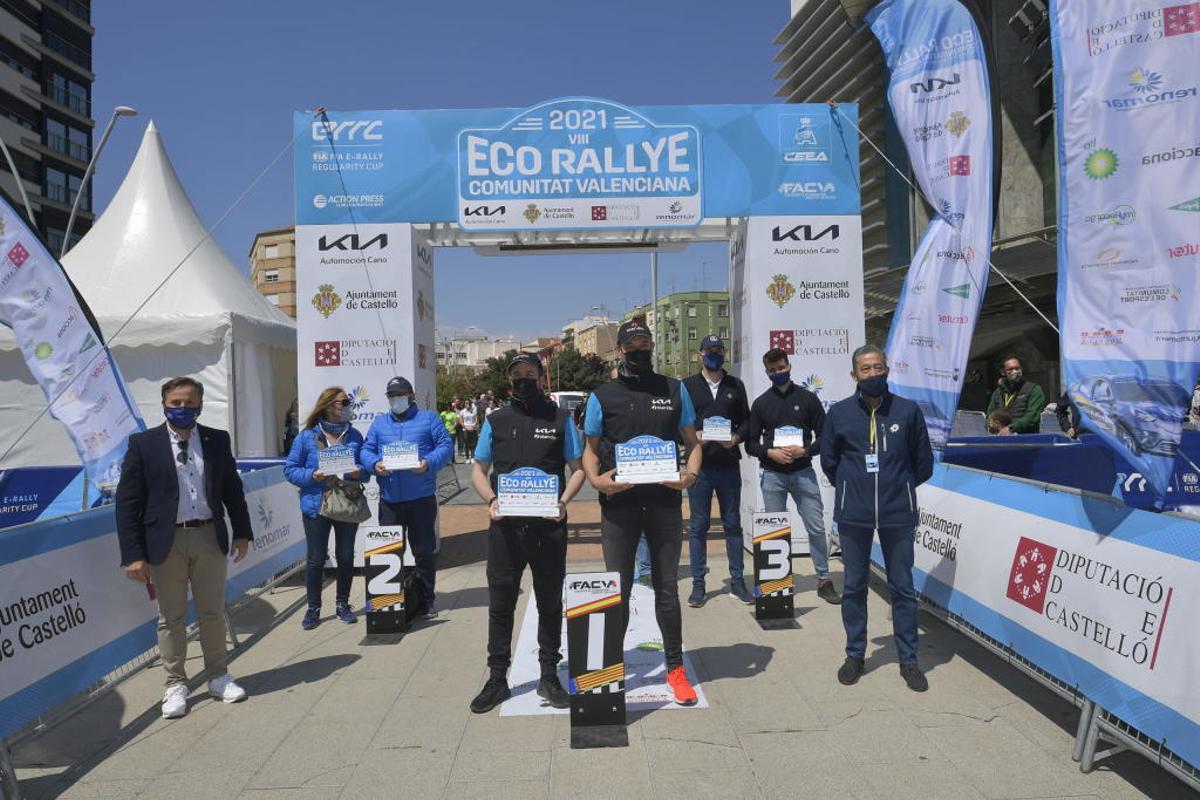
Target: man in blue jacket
{"type": "Point", "coordinates": [875, 450]}
{"type": "Point", "coordinates": [409, 497]}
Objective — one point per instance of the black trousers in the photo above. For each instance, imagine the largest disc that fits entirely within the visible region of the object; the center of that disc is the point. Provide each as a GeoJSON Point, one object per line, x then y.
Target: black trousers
{"type": "Point", "coordinates": [657, 514]}
{"type": "Point", "coordinates": [513, 543]}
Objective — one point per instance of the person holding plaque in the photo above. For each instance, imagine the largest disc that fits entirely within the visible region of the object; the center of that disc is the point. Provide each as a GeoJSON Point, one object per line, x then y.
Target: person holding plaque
{"type": "Point", "coordinates": [784, 434]}
{"type": "Point", "coordinates": [634, 426]}
{"type": "Point", "coordinates": [722, 416]}
{"type": "Point", "coordinates": [406, 449]}
{"type": "Point", "coordinates": [327, 427]}
{"type": "Point", "coordinates": [527, 446]}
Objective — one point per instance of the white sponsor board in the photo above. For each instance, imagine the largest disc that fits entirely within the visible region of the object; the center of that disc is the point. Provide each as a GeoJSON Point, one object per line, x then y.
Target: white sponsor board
{"type": "Point", "coordinates": [802, 292]}
{"type": "Point", "coordinates": [69, 615]}
{"type": "Point", "coordinates": [645, 675]}
{"type": "Point", "coordinates": [1126, 609]}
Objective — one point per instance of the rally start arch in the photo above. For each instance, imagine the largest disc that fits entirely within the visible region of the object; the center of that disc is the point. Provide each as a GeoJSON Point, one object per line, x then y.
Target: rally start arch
{"type": "Point", "coordinates": [378, 191]}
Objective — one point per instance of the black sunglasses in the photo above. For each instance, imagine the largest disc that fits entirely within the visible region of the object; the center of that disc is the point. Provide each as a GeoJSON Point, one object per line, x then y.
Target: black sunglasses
{"type": "Point", "coordinates": [182, 456]}
{"type": "Point", "coordinates": [340, 403]}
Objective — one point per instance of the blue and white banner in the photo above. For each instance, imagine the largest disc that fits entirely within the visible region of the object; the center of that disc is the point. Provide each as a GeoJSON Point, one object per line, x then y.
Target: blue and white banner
{"type": "Point", "coordinates": [940, 97]}
{"type": "Point", "coordinates": [64, 351]}
{"type": "Point", "coordinates": [1128, 97]}
{"type": "Point", "coordinates": [575, 163]}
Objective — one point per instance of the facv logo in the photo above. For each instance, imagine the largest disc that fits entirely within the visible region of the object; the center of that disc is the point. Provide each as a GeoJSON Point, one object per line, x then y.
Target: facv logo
{"type": "Point", "coordinates": [352, 241]}
{"type": "Point", "coordinates": [934, 84]}
{"type": "Point", "coordinates": [804, 233]}
{"type": "Point", "coordinates": [347, 130]}
{"type": "Point", "coordinates": [596, 584]}
{"type": "Point", "coordinates": [484, 211]}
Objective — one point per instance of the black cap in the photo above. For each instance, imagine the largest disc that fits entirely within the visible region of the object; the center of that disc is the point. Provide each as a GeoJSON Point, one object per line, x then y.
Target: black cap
{"type": "Point", "coordinates": [398, 385]}
{"type": "Point", "coordinates": [527, 358]}
{"type": "Point", "coordinates": [630, 329]}
{"type": "Point", "coordinates": [711, 340]}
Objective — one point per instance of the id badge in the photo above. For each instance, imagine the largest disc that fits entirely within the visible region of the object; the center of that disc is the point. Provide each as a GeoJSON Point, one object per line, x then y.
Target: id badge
{"type": "Point", "coordinates": [872, 462]}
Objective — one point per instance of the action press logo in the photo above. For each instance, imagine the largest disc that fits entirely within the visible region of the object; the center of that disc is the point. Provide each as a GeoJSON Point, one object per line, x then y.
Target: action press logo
{"type": "Point", "coordinates": [1029, 578]}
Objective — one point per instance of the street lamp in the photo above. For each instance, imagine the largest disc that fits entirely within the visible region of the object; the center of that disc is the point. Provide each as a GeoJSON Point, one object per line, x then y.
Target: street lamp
{"type": "Point", "coordinates": [119, 111]}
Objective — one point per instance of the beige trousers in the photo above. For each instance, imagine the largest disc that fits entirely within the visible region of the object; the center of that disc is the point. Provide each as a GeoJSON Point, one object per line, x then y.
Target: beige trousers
{"type": "Point", "coordinates": [194, 559]}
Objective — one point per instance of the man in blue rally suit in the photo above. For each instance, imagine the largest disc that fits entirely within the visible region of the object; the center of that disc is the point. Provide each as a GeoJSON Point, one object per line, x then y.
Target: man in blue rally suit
{"type": "Point", "coordinates": [875, 450]}
{"type": "Point", "coordinates": [409, 497]}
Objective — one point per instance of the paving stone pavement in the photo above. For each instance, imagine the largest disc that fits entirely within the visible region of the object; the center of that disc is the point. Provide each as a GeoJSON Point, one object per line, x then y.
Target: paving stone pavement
{"type": "Point", "coordinates": [328, 717]}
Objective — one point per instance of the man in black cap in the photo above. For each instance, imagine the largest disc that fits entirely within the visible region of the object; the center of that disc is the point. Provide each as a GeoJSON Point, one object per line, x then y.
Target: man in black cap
{"type": "Point", "coordinates": [717, 395]}
{"type": "Point", "coordinates": [641, 402]}
{"type": "Point", "coordinates": [529, 432]}
{"type": "Point", "coordinates": [409, 497]}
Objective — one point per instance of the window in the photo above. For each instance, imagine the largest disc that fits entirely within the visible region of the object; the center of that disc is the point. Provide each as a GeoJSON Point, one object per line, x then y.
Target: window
{"type": "Point", "coordinates": [273, 299]}
{"type": "Point", "coordinates": [271, 276]}
{"type": "Point", "coordinates": [691, 310]}
{"type": "Point", "coordinates": [54, 240]}
{"type": "Point", "coordinates": [270, 251]}
{"type": "Point", "coordinates": [56, 185]}
{"type": "Point", "coordinates": [693, 335]}
{"type": "Point", "coordinates": [56, 136]}
{"type": "Point", "coordinates": [67, 140]}
{"type": "Point", "coordinates": [80, 148]}
{"type": "Point", "coordinates": [724, 333]}
{"type": "Point", "coordinates": [723, 310]}
{"type": "Point", "coordinates": [74, 182]}
{"type": "Point", "coordinates": [67, 92]}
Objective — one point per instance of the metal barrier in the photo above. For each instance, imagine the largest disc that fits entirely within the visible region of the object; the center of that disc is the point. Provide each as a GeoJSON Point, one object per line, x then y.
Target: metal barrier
{"type": "Point", "coordinates": [9, 789]}
{"type": "Point", "coordinates": [1096, 725]}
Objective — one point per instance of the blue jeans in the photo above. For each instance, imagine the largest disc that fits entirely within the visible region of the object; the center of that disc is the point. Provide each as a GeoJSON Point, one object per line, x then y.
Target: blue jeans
{"type": "Point", "coordinates": [726, 482]}
{"type": "Point", "coordinates": [641, 564]}
{"type": "Point", "coordinates": [418, 518]}
{"type": "Point", "coordinates": [897, 546]}
{"type": "Point", "coordinates": [316, 534]}
{"type": "Point", "coordinates": [806, 493]}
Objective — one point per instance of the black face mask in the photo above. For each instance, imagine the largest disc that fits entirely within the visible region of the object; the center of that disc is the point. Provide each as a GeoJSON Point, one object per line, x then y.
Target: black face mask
{"type": "Point", "coordinates": [638, 362]}
{"type": "Point", "coordinates": [526, 389]}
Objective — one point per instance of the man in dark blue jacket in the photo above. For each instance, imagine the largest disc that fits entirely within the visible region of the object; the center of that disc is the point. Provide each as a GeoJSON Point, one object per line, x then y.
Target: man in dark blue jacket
{"type": "Point", "coordinates": [875, 450]}
{"type": "Point", "coordinates": [409, 497]}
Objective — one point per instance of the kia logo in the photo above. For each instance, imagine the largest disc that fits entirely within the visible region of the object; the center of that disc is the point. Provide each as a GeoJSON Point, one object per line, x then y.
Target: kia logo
{"type": "Point", "coordinates": [484, 211]}
{"type": "Point", "coordinates": [933, 84]}
{"type": "Point", "coordinates": [804, 233]}
{"type": "Point", "coordinates": [351, 241]}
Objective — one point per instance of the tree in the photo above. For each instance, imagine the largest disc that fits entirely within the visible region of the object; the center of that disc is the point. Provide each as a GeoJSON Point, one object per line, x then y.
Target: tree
{"type": "Point", "coordinates": [572, 372]}
{"type": "Point", "coordinates": [450, 385]}
{"type": "Point", "coordinates": [494, 377]}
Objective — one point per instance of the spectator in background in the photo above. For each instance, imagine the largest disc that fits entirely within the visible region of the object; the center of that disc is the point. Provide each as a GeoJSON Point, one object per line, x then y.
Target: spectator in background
{"type": "Point", "coordinates": [450, 420]}
{"type": "Point", "coordinates": [999, 423]}
{"type": "Point", "coordinates": [468, 423]}
{"type": "Point", "coordinates": [1022, 399]}
{"type": "Point", "coordinates": [291, 426]}
{"type": "Point", "coordinates": [1068, 416]}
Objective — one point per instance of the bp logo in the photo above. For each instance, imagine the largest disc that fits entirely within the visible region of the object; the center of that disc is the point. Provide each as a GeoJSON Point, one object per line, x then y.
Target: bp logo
{"type": "Point", "coordinates": [813, 383]}
{"type": "Point", "coordinates": [1143, 81]}
{"type": "Point", "coordinates": [958, 123]}
{"type": "Point", "coordinates": [326, 300]}
{"type": "Point", "coordinates": [1029, 579]}
{"type": "Point", "coordinates": [43, 351]}
{"type": "Point", "coordinates": [780, 290]}
{"type": "Point", "coordinates": [532, 213]}
{"type": "Point", "coordinates": [1101, 163]}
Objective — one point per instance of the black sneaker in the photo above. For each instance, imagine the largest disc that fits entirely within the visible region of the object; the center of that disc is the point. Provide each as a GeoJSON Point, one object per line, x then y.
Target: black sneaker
{"type": "Point", "coordinates": [493, 693]}
{"type": "Point", "coordinates": [696, 598]}
{"type": "Point", "coordinates": [914, 677]}
{"type": "Point", "coordinates": [826, 592]}
{"type": "Point", "coordinates": [738, 590]}
{"type": "Point", "coordinates": [850, 671]}
{"type": "Point", "coordinates": [312, 618]}
{"type": "Point", "coordinates": [550, 690]}
{"type": "Point", "coordinates": [345, 613]}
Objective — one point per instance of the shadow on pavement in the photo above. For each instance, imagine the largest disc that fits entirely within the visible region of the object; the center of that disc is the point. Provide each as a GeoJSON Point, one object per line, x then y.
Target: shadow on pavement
{"type": "Point", "coordinates": [280, 679]}
{"type": "Point", "coordinates": [476, 596]}
{"type": "Point", "coordinates": [744, 660]}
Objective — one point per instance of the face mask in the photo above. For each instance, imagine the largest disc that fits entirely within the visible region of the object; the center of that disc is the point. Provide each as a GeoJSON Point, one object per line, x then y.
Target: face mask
{"type": "Point", "coordinates": [399, 405]}
{"type": "Point", "coordinates": [713, 361]}
{"type": "Point", "coordinates": [638, 361]}
{"type": "Point", "coordinates": [780, 378]}
{"type": "Point", "coordinates": [873, 386]}
{"type": "Point", "coordinates": [526, 389]}
{"type": "Point", "coordinates": [344, 414]}
{"type": "Point", "coordinates": [334, 428]}
{"type": "Point", "coordinates": [182, 418]}
{"type": "Point", "coordinates": [1013, 378]}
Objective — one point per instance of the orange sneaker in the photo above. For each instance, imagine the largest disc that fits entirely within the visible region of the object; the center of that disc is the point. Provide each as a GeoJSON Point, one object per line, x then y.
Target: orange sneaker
{"type": "Point", "coordinates": [685, 695]}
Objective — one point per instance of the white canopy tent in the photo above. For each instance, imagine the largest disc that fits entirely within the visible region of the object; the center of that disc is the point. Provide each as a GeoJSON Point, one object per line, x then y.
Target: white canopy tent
{"type": "Point", "coordinates": [207, 321]}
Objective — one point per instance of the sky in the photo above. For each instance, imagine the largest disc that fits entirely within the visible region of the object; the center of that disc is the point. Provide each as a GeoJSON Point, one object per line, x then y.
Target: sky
{"type": "Point", "coordinates": [221, 80]}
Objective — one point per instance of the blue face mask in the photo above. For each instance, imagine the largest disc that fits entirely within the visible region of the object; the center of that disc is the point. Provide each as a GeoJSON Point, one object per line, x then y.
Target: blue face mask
{"type": "Point", "coordinates": [713, 361]}
{"type": "Point", "coordinates": [781, 378]}
{"type": "Point", "coordinates": [873, 386]}
{"type": "Point", "coordinates": [334, 428]}
{"type": "Point", "coordinates": [181, 418]}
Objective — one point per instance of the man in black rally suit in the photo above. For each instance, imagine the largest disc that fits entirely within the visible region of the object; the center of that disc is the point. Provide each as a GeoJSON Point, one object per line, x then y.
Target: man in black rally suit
{"type": "Point", "coordinates": [530, 432]}
{"type": "Point", "coordinates": [639, 402]}
{"type": "Point", "coordinates": [716, 393]}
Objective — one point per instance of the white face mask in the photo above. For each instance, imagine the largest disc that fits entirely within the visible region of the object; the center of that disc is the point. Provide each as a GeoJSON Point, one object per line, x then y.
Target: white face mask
{"type": "Point", "coordinates": [399, 404]}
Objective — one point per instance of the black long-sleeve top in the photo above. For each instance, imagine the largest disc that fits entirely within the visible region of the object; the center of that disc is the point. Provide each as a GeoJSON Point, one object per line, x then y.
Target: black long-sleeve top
{"type": "Point", "coordinates": [794, 406]}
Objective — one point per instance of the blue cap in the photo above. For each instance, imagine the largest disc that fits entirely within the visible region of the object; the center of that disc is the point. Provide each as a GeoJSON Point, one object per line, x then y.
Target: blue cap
{"type": "Point", "coordinates": [711, 341]}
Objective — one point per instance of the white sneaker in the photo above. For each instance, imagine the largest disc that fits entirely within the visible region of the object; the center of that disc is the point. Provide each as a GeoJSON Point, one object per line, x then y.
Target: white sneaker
{"type": "Point", "coordinates": [225, 689]}
{"type": "Point", "coordinates": [174, 704]}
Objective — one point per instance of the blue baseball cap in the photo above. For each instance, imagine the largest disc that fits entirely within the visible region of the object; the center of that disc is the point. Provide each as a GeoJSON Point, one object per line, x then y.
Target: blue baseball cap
{"type": "Point", "coordinates": [711, 341]}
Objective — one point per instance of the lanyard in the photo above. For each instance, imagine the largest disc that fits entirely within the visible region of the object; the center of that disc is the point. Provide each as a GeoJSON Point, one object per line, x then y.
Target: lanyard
{"type": "Point", "coordinates": [1008, 398]}
{"type": "Point", "coordinates": [873, 449]}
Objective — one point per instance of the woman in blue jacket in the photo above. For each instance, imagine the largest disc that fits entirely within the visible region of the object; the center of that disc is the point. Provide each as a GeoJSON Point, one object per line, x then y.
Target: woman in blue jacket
{"type": "Point", "coordinates": [327, 425]}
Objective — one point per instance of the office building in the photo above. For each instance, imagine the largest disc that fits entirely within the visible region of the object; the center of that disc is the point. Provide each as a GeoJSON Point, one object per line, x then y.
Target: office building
{"type": "Point", "coordinates": [273, 267]}
{"type": "Point", "coordinates": [679, 322]}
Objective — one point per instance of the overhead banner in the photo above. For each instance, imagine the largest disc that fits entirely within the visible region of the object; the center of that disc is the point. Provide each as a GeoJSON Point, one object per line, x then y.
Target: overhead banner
{"type": "Point", "coordinates": [64, 351]}
{"type": "Point", "coordinates": [941, 100]}
{"type": "Point", "coordinates": [1102, 597]}
{"type": "Point", "coordinates": [802, 288]}
{"type": "Point", "coordinates": [1128, 100]}
{"type": "Point", "coordinates": [574, 163]}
